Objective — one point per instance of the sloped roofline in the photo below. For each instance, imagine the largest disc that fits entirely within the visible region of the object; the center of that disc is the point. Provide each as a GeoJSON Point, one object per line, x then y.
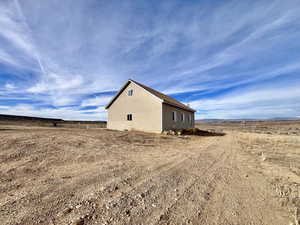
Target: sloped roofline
{"type": "Point", "coordinates": [164, 98]}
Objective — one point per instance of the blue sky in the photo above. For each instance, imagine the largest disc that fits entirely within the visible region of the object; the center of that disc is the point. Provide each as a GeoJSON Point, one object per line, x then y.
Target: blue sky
{"type": "Point", "coordinates": [227, 59]}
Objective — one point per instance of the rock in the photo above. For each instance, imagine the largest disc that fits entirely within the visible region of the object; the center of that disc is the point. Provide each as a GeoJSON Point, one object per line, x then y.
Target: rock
{"type": "Point", "coordinates": [165, 132]}
{"type": "Point", "coordinates": [263, 157]}
{"type": "Point", "coordinates": [142, 195]}
{"type": "Point", "coordinates": [162, 217]}
{"type": "Point", "coordinates": [172, 132]}
{"type": "Point", "coordinates": [127, 212]}
{"type": "Point", "coordinates": [78, 222]}
{"type": "Point", "coordinates": [199, 213]}
{"type": "Point", "coordinates": [207, 196]}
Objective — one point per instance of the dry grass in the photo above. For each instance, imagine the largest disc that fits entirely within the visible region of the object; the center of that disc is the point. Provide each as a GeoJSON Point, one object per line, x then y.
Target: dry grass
{"type": "Point", "coordinates": [288, 127]}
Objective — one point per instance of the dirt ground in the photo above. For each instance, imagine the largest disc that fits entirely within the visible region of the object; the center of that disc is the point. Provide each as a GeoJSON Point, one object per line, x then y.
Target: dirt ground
{"type": "Point", "coordinates": [98, 176]}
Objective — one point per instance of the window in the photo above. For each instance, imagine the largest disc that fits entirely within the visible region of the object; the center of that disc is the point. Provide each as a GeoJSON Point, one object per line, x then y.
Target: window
{"type": "Point", "coordinates": [190, 119]}
{"type": "Point", "coordinates": [182, 117]}
{"type": "Point", "coordinates": [130, 92]}
{"type": "Point", "coordinates": [174, 116]}
{"type": "Point", "coordinates": [129, 117]}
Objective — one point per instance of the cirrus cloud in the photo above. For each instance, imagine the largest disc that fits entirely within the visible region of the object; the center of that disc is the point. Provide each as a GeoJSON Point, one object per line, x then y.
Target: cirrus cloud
{"type": "Point", "coordinates": [73, 54]}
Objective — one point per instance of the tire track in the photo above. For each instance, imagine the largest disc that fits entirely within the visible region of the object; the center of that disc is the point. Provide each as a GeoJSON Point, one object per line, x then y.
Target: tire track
{"type": "Point", "coordinates": [213, 167]}
{"type": "Point", "coordinates": [146, 184]}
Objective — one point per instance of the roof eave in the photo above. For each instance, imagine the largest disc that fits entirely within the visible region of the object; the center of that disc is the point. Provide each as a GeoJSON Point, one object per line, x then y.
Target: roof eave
{"type": "Point", "coordinates": [117, 95]}
{"type": "Point", "coordinates": [177, 106]}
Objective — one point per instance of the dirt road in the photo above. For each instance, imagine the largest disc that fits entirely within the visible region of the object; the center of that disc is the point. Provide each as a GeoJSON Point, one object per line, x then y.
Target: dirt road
{"type": "Point", "coordinates": [97, 176]}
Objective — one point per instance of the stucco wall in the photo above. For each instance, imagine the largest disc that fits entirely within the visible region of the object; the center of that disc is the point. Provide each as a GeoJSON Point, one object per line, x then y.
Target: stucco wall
{"type": "Point", "coordinates": [145, 108]}
{"type": "Point", "coordinates": [169, 124]}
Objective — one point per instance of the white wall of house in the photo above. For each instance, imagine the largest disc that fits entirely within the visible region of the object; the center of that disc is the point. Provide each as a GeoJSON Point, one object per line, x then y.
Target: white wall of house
{"type": "Point", "coordinates": [145, 108]}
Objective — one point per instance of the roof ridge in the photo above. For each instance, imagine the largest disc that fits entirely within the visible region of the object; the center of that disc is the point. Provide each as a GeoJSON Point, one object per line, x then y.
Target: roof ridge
{"type": "Point", "coordinates": [167, 99]}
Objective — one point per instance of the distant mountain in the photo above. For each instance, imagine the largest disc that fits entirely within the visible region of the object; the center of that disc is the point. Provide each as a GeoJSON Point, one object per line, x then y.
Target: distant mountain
{"type": "Point", "coordinates": [209, 121]}
{"type": "Point", "coordinates": [285, 118]}
{"type": "Point", "coordinates": [239, 120]}
{"type": "Point", "coordinates": [4, 117]}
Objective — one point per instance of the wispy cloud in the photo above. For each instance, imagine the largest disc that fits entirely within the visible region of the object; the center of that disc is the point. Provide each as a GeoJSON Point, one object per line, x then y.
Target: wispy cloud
{"type": "Point", "coordinates": [63, 112]}
{"type": "Point", "coordinates": [9, 86]}
{"type": "Point", "coordinates": [255, 102]}
{"type": "Point", "coordinates": [62, 53]}
{"type": "Point", "coordinates": [97, 101]}
{"type": "Point", "coordinates": [17, 49]}
{"type": "Point", "coordinates": [3, 107]}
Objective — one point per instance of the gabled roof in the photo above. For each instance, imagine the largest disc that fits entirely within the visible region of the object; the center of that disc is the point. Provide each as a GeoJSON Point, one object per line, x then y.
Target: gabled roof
{"type": "Point", "coordinates": [166, 99]}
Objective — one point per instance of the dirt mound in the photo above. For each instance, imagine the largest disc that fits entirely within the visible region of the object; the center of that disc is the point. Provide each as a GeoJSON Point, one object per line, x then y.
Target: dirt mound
{"type": "Point", "coordinates": [198, 132]}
